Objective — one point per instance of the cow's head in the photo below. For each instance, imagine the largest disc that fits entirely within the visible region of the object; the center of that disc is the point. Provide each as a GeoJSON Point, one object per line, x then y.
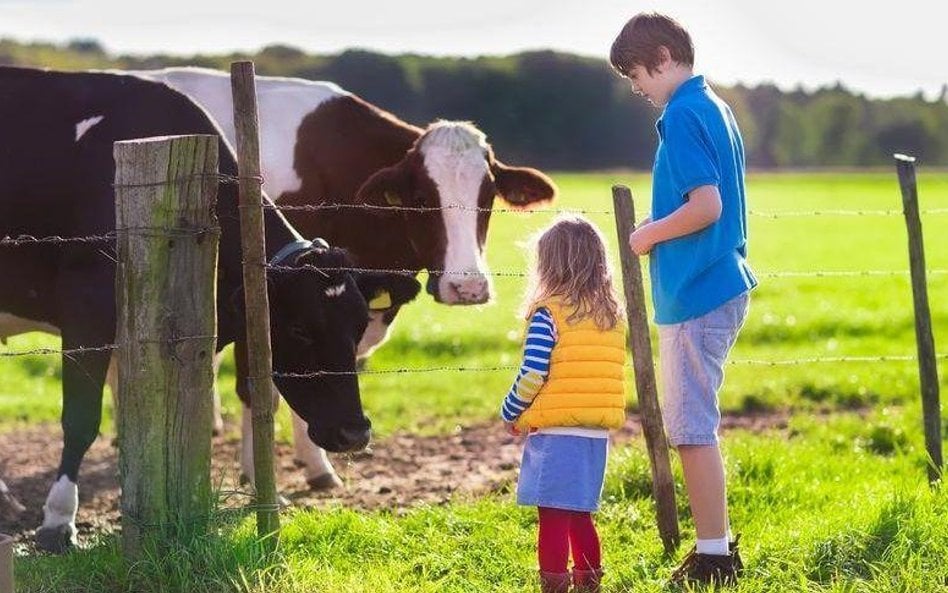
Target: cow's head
{"type": "Point", "coordinates": [452, 168]}
{"type": "Point", "coordinates": [318, 315]}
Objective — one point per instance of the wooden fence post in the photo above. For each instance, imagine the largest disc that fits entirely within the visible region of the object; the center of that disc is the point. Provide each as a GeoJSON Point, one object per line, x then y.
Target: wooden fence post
{"type": "Point", "coordinates": [253, 244]}
{"type": "Point", "coordinates": [924, 339]}
{"type": "Point", "coordinates": [663, 484]}
{"type": "Point", "coordinates": [6, 563]}
{"type": "Point", "coordinates": [165, 191]}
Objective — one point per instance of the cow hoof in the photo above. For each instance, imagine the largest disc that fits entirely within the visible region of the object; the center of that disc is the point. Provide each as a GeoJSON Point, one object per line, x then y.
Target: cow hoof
{"type": "Point", "coordinates": [56, 540]}
{"type": "Point", "coordinates": [328, 481]}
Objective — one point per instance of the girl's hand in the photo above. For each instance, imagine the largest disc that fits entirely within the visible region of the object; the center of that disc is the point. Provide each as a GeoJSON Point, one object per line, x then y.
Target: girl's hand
{"type": "Point", "coordinates": [511, 429]}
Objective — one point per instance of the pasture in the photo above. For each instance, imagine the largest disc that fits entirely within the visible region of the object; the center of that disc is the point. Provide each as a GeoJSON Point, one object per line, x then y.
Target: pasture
{"type": "Point", "coordinates": [827, 469]}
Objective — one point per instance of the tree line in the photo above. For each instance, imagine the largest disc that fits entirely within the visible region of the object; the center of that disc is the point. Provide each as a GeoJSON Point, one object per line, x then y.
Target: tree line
{"type": "Point", "coordinates": [566, 112]}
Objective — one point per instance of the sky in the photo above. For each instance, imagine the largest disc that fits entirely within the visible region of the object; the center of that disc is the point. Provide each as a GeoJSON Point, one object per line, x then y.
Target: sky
{"type": "Point", "coordinates": [880, 48]}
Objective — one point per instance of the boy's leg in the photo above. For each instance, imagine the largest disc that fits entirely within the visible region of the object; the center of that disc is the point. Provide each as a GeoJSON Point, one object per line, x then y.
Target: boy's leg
{"type": "Point", "coordinates": [707, 495]}
{"type": "Point", "coordinates": [693, 355]}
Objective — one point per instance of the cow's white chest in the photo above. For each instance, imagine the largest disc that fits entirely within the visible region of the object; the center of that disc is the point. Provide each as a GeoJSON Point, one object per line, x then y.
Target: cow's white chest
{"type": "Point", "coordinates": [375, 333]}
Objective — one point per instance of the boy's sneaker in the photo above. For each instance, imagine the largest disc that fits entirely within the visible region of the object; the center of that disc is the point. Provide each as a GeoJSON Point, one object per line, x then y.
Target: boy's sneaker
{"type": "Point", "coordinates": [709, 568]}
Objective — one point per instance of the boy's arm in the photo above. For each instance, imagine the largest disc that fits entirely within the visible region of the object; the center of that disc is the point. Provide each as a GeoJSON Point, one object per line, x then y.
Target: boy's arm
{"type": "Point", "coordinates": [535, 367]}
{"type": "Point", "coordinates": [702, 209]}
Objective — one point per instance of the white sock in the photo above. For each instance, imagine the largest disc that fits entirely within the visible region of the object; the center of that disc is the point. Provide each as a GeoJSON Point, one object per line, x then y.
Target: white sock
{"type": "Point", "coordinates": [715, 547]}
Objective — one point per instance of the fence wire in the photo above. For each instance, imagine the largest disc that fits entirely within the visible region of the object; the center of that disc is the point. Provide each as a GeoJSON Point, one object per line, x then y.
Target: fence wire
{"type": "Point", "coordinates": [25, 239]}
{"type": "Point", "coordinates": [453, 369]}
{"type": "Point", "coordinates": [508, 368]}
{"type": "Point", "coordinates": [333, 206]}
{"type": "Point", "coordinates": [520, 274]}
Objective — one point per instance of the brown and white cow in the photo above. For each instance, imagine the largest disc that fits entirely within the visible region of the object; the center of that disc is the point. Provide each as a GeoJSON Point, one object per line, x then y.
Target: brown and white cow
{"type": "Point", "coordinates": [323, 145]}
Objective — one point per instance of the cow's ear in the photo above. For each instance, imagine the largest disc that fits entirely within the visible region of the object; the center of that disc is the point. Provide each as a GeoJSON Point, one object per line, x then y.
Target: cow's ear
{"type": "Point", "coordinates": [389, 187]}
{"type": "Point", "coordinates": [522, 186]}
{"type": "Point", "coordinates": [384, 290]}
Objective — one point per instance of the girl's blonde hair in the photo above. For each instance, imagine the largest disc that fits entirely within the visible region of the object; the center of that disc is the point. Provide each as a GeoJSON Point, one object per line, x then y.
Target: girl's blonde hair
{"type": "Point", "coordinates": [570, 263]}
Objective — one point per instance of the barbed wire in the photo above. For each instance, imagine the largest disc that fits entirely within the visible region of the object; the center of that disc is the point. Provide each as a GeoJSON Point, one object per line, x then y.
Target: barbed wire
{"type": "Point", "coordinates": [103, 348]}
{"type": "Point", "coordinates": [8, 241]}
{"type": "Point", "coordinates": [19, 240]}
{"type": "Point", "coordinates": [844, 273]}
{"type": "Point", "coordinates": [506, 368]}
{"type": "Point", "coordinates": [803, 213]}
{"type": "Point", "coordinates": [458, 369]}
{"type": "Point", "coordinates": [519, 274]}
{"type": "Point", "coordinates": [424, 209]}
{"type": "Point", "coordinates": [220, 177]}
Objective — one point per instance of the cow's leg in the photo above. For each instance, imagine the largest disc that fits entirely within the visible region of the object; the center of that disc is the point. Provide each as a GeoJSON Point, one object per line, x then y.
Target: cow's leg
{"type": "Point", "coordinates": [317, 469]}
{"type": "Point", "coordinates": [218, 418]}
{"type": "Point", "coordinates": [10, 507]}
{"type": "Point", "coordinates": [247, 473]}
{"type": "Point", "coordinates": [83, 379]}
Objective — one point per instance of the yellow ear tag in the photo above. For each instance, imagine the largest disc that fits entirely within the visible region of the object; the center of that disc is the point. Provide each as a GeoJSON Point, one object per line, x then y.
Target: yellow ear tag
{"type": "Point", "coordinates": [382, 300]}
{"type": "Point", "coordinates": [392, 198]}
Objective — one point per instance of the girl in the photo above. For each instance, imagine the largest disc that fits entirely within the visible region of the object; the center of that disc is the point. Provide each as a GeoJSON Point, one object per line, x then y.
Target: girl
{"type": "Point", "coordinates": [567, 395]}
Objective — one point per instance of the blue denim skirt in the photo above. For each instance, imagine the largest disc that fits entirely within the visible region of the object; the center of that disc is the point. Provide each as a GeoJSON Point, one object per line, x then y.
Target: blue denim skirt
{"type": "Point", "coordinates": [562, 472]}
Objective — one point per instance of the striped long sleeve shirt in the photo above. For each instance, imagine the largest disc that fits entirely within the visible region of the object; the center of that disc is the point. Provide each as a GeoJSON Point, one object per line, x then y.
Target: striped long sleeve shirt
{"type": "Point", "coordinates": [541, 337]}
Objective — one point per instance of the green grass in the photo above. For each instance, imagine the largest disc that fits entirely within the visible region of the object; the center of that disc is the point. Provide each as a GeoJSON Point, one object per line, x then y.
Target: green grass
{"type": "Point", "coordinates": [838, 506]}
{"type": "Point", "coordinates": [836, 503]}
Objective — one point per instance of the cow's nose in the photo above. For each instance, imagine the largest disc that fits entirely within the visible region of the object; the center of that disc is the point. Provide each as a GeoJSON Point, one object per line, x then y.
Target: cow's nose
{"type": "Point", "coordinates": [471, 289]}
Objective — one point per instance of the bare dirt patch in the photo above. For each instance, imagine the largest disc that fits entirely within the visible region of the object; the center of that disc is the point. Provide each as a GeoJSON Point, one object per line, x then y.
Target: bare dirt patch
{"type": "Point", "coordinates": [397, 472]}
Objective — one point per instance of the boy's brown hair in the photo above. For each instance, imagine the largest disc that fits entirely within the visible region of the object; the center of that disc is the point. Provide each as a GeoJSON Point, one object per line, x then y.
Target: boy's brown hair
{"type": "Point", "coordinates": [640, 38]}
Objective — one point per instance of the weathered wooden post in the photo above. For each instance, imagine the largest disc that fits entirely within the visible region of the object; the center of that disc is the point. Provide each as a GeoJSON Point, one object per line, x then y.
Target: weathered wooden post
{"type": "Point", "coordinates": [165, 191]}
{"type": "Point", "coordinates": [924, 339]}
{"type": "Point", "coordinates": [663, 484]}
{"type": "Point", "coordinates": [6, 563]}
{"type": "Point", "coordinates": [253, 243]}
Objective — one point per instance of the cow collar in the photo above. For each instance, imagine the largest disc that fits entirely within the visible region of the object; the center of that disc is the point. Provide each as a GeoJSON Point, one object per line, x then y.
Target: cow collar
{"type": "Point", "coordinates": [295, 247]}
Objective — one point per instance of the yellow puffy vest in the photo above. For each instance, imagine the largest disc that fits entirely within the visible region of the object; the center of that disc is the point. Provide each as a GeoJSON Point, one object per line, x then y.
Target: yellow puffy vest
{"type": "Point", "coordinates": [586, 384]}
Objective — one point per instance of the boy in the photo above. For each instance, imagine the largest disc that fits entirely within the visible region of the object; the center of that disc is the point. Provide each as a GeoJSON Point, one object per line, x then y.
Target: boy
{"type": "Point", "coordinates": [697, 241]}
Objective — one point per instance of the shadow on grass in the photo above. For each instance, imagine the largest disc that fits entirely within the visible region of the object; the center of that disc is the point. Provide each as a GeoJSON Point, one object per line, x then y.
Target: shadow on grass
{"type": "Point", "coordinates": [855, 554]}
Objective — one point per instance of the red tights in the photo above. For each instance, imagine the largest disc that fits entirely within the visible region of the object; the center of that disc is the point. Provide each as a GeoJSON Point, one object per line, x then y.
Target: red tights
{"type": "Point", "coordinates": [561, 530]}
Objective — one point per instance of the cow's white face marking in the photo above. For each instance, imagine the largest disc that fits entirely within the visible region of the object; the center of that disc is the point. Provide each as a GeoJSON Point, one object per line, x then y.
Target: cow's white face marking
{"type": "Point", "coordinates": [282, 104]}
{"type": "Point", "coordinates": [84, 126]}
{"type": "Point", "coordinates": [61, 504]}
{"type": "Point", "coordinates": [335, 291]}
{"type": "Point", "coordinates": [455, 157]}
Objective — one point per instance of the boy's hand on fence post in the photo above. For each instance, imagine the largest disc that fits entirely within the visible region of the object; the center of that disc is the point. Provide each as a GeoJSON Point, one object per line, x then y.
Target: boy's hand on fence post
{"type": "Point", "coordinates": [640, 241]}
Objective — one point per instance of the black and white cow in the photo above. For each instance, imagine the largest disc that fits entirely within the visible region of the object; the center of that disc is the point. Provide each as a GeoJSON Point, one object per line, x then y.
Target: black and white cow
{"type": "Point", "coordinates": [56, 173]}
{"type": "Point", "coordinates": [323, 145]}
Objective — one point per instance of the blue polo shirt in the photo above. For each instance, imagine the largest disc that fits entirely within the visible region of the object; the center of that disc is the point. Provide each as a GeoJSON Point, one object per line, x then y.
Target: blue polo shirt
{"type": "Point", "coordinates": [699, 144]}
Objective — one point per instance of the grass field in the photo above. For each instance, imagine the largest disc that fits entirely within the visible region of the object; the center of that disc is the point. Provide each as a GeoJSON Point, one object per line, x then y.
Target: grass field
{"type": "Point", "coordinates": [837, 502]}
